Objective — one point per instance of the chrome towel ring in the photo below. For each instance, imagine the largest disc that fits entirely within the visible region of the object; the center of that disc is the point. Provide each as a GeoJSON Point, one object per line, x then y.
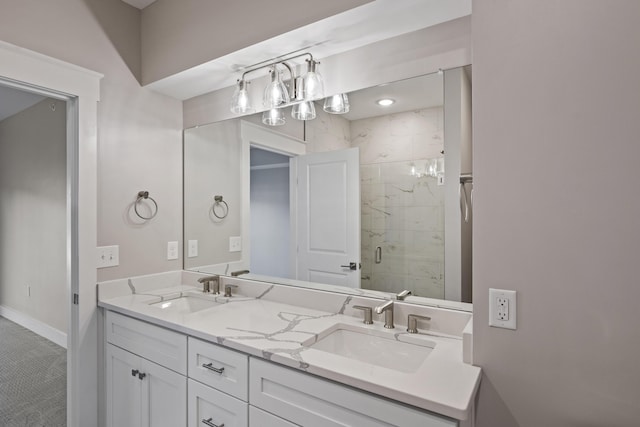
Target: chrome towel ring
{"type": "Point", "coordinates": [145, 195]}
{"type": "Point", "coordinates": [219, 202]}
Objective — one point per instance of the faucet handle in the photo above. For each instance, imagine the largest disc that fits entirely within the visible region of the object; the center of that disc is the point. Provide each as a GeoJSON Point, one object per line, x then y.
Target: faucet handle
{"type": "Point", "coordinates": [368, 313]}
{"type": "Point", "coordinates": [227, 290]}
{"type": "Point", "coordinates": [206, 282]}
{"type": "Point", "coordinates": [412, 322]}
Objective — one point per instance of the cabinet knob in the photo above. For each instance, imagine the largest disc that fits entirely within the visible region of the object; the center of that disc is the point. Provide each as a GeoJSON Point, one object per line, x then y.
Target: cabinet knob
{"type": "Point", "coordinates": [210, 424]}
{"type": "Point", "coordinates": [134, 372]}
{"type": "Point", "coordinates": [141, 375]}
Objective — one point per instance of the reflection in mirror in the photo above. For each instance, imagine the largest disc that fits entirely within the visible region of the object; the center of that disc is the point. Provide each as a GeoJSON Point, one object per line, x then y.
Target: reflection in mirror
{"type": "Point", "coordinates": [358, 200]}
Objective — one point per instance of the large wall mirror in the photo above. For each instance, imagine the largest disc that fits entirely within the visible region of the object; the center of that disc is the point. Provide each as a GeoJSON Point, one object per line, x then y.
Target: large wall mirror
{"type": "Point", "coordinates": [373, 201]}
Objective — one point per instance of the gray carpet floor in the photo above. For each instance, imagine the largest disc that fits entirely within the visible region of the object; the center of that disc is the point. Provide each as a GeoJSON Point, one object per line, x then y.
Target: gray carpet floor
{"type": "Point", "coordinates": [33, 379]}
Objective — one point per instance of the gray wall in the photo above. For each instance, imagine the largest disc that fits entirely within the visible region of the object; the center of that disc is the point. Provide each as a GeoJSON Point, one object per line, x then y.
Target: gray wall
{"type": "Point", "coordinates": [212, 167]}
{"type": "Point", "coordinates": [33, 213]}
{"type": "Point", "coordinates": [212, 29]}
{"type": "Point", "coordinates": [139, 137]}
{"type": "Point", "coordinates": [556, 108]}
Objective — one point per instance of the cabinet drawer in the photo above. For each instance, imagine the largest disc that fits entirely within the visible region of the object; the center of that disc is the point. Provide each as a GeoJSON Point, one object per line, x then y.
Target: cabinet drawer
{"type": "Point", "coordinates": [219, 367]}
{"type": "Point", "coordinates": [260, 418]}
{"type": "Point", "coordinates": [218, 408]}
{"type": "Point", "coordinates": [162, 346]}
{"type": "Point", "coordinates": [314, 402]}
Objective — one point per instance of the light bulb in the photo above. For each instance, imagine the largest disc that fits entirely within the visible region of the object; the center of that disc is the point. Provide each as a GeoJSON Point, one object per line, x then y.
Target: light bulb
{"type": "Point", "coordinates": [273, 117]}
{"type": "Point", "coordinates": [240, 101]}
{"type": "Point", "coordinates": [336, 104]}
{"type": "Point", "coordinates": [312, 85]}
{"type": "Point", "coordinates": [275, 94]}
{"type": "Point", "coordinates": [304, 111]}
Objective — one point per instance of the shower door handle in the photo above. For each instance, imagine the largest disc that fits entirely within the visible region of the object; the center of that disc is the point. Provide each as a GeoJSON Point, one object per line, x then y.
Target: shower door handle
{"type": "Point", "coordinates": [378, 254]}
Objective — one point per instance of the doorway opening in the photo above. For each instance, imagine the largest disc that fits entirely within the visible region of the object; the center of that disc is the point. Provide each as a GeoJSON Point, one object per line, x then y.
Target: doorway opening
{"type": "Point", "coordinates": [270, 213]}
{"type": "Point", "coordinates": [34, 254]}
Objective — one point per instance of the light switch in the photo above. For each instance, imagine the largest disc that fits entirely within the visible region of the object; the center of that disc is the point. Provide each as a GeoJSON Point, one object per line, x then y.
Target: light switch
{"type": "Point", "coordinates": [107, 256]}
{"type": "Point", "coordinates": [193, 249]}
{"type": "Point", "coordinates": [172, 250]}
{"type": "Point", "coordinates": [235, 244]}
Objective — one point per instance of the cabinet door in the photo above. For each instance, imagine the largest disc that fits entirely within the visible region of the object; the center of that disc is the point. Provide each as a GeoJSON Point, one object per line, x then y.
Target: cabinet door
{"type": "Point", "coordinates": [164, 396]}
{"type": "Point", "coordinates": [123, 388]}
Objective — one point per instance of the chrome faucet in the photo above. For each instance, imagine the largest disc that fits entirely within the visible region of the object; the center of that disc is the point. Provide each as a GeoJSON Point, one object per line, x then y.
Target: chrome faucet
{"type": "Point", "coordinates": [387, 308]}
{"type": "Point", "coordinates": [403, 295]}
{"type": "Point", "coordinates": [206, 284]}
{"type": "Point", "coordinates": [239, 272]}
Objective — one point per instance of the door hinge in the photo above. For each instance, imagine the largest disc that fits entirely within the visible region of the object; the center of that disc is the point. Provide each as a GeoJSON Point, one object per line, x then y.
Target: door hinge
{"type": "Point", "coordinates": [75, 299]}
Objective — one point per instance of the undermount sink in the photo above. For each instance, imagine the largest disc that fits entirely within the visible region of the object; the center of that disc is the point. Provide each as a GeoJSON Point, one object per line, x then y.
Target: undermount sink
{"type": "Point", "coordinates": [185, 304]}
{"type": "Point", "coordinates": [374, 347]}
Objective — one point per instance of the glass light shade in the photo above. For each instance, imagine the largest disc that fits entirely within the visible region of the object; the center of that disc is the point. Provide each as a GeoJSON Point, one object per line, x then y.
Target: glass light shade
{"type": "Point", "coordinates": [275, 94]}
{"type": "Point", "coordinates": [304, 111]}
{"type": "Point", "coordinates": [312, 85]}
{"type": "Point", "coordinates": [240, 101]}
{"type": "Point", "coordinates": [336, 104]}
{"type": "Point", "coordinates": [273, 117]}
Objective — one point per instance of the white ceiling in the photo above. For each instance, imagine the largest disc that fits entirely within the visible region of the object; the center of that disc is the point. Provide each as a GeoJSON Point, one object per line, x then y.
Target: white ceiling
{"type": "Point", "coordinates": [411, 94]}
{"type": "Point", "coordinates": [12, 101]}
{"type": "Point", "coordinates": [370, 23]}
{"type": "Point", "coordinates": [140, 4]}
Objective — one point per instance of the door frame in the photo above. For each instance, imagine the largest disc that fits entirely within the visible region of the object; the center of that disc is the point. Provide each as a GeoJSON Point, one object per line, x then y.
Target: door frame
{"type": "Point", "coordinates": [80, 88]}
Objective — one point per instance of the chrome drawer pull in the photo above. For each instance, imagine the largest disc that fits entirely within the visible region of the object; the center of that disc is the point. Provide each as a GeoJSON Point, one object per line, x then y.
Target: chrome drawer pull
{"type": "Point", "coordinates": [210, 367]}
{"type": "Point", "coordinates": [210, 424]}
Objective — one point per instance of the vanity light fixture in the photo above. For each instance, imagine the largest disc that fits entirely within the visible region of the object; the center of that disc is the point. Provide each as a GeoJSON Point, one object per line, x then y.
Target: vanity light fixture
{"type": "Point", "coordinates": [300, 92]}
{"type": "Point", "coordinates": [337, 104]}
{"type": "Point", "coordinates": [385, 102]}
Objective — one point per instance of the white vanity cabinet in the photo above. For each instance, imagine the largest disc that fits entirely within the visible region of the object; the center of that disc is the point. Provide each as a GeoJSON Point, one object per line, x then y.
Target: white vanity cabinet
{"type": "Point", "coordinates": [141, 392]}
{"type": "Point", "coordinates": [158, 377]}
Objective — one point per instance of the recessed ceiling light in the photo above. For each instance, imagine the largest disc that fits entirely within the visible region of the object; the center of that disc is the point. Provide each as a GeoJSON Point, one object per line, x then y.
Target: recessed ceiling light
{"type": "Point", "coordinates": [385, 102]}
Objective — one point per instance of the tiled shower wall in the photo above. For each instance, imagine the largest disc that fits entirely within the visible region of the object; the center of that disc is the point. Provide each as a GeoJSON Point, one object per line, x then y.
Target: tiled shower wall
{"type": "Point", "coordinates": [401, 213]}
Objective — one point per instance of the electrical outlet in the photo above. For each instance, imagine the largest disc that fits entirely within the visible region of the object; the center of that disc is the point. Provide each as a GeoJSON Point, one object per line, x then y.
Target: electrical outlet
{"type": "Point", "coordinates": [107, 256]}
{"type": "Point", "coordinates": [193, 249]}
{"type": "Point", "coordinates": [172, 250]}
{"type": "Point", "coordinates": [502, 308]}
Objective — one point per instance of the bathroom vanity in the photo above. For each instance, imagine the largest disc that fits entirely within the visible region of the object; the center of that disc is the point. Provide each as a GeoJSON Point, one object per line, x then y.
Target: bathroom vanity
{"type": "Point", "coordinates": [273, 355]}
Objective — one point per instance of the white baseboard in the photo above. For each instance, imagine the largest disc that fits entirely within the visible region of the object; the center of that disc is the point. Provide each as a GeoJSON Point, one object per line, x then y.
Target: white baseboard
{"type": "Point", "coordinates": [34, 325]}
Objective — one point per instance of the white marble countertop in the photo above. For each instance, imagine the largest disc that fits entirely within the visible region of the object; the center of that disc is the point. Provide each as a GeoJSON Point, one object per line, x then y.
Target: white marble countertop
{"type": "Point", "coordinates": [276, 331]}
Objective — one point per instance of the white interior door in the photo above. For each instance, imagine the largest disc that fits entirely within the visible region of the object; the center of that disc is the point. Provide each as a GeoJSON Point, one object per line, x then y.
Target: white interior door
{"type": "Point", "coordinates": [326, 192]}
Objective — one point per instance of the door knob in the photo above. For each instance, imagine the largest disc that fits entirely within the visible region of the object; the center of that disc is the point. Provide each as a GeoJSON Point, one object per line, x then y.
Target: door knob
{"type": "Point", "coordinates": [352, 266]}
